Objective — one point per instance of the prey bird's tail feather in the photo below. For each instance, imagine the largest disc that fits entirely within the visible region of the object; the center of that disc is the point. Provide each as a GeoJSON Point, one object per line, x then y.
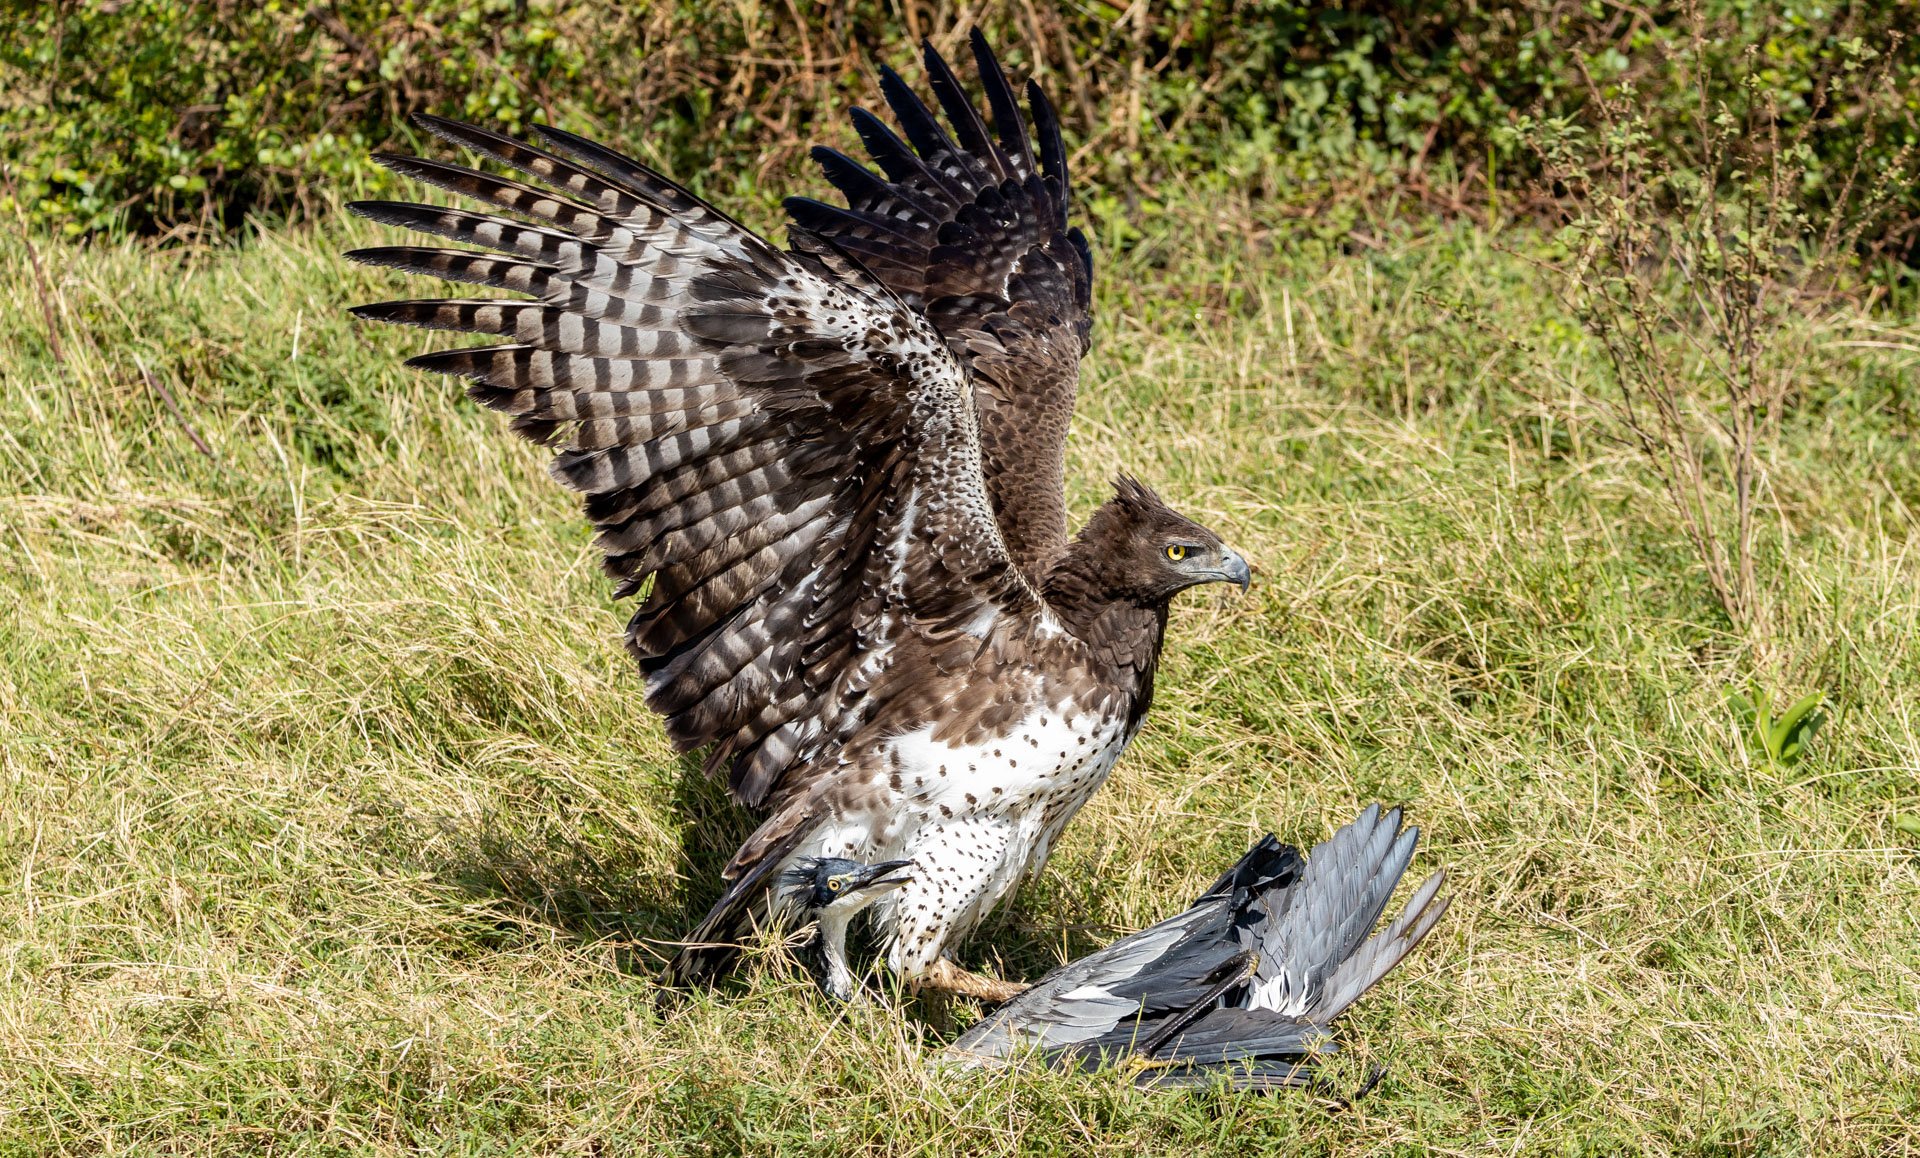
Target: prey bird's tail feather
{"type": "Point", "coordinates": [1384, 950]}
{"type": "Point", "coordinates": [1312, 961]}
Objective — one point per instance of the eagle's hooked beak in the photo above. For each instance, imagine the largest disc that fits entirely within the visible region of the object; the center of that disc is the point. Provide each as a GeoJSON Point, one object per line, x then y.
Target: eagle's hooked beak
{"type": "Point", "coordinates": [1233, 569]}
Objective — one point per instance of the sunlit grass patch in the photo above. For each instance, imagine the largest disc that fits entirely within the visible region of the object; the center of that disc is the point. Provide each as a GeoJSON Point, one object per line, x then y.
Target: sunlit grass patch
{"type": "Point", "coordinates": [331, 820]}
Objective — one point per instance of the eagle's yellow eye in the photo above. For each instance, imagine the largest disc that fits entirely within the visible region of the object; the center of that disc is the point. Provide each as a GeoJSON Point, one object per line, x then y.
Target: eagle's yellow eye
{"type": "Point", "coordinates": [1177, 552]}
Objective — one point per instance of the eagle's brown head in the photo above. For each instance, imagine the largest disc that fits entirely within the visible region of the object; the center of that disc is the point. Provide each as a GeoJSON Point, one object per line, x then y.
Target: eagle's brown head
{"type": "Point", "coordinates": [1136, 549]}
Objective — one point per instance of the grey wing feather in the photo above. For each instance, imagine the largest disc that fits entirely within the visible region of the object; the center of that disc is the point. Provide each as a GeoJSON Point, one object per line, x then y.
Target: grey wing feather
{"type": "Point", "coordinates": [1079, 1001]}
{"type": "Point", "coordinates": [1382, 952]}
{"type": "Point", "coordinates": [1308, 931]}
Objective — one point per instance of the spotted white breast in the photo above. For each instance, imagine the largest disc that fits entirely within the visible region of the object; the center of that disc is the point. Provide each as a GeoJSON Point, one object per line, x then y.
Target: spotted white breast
{"type": "Point", "coordinates": [974, 818]}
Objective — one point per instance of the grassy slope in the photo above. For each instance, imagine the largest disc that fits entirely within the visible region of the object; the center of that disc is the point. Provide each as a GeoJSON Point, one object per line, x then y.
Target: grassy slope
{"type": "Point", "coordinates": [330, 819]}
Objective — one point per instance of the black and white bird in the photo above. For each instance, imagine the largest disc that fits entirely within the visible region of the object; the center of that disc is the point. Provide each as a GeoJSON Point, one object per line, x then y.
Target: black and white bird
{"type": "Point", "coordinates": [831, 892]}
{"type": "Point", "coordinates": [833, 473]}
{"type": "Point", "coordinates": [1244, 985]}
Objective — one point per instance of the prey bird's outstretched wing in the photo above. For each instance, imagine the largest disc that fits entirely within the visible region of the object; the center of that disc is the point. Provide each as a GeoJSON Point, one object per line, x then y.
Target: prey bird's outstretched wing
{"type": "Point", "coordinates": [1115, 1000]}
{"type": "Point", "coordinates": [780, 456]}
{"type": "Point", "coordinates": [971, 226]}
{"type": "Point", "coordinates": [1244, 985]}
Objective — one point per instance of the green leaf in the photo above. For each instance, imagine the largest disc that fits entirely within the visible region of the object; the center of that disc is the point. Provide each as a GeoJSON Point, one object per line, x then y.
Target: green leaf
{"type": "Point", "coordinates": [1908, 824]}
{"type": "Point", "coordinates": [1789, 734]}
{"type": "Point", "coordinates": [1742, 707]}
{"type": "Point", "coordinates": [1789, 720]}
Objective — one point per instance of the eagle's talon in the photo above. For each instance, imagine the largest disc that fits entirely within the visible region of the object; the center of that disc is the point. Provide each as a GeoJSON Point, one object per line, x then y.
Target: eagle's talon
{"type": "Point", "coordinates": [946, 977]}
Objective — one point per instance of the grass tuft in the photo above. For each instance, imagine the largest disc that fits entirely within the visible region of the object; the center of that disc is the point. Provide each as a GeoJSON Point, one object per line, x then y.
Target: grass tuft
{"type": "Point", "coordinates": [331, 820]}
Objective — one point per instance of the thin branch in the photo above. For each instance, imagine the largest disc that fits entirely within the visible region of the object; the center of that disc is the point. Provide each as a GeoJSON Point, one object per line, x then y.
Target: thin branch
{"type": "Point", "coordinates": [166, 396]}
{"type": "Point", "coordinates": [40, 287]}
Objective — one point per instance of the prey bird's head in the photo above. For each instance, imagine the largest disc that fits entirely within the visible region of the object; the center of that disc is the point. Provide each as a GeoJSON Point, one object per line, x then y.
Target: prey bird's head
{"type": "Point", "coordinates": [831, 890]}
{"type": "Point", "coordinates": [831, 885]}
{"type": "Point", "coordinates": [1150, 552]}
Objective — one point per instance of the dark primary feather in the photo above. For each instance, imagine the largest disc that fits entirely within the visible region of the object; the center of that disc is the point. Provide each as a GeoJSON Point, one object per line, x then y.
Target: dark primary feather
{"type": "Point", "coordinates": [785, 455]}
{"type": "Point", "coordinates": [1244, 984]}
{"type": "Point", "coordinates": [967, 226]}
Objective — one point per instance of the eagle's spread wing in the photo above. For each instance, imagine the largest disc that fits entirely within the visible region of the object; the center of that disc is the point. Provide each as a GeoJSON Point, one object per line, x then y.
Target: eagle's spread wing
{"type": "Point", "coordinates": [973, 230]}
{"type": "Point", "coordinates": [776, 450]}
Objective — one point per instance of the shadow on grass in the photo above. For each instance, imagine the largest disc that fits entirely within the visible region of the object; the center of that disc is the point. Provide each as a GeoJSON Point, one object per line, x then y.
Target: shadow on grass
{"type": "Point", "coordinates": [583, 874]}
{"type": "Point", "coordinates": [544, 870]}
{"type": "Point", "coordinates": [712, 829]}
{"type": "Point", "coordinates": [1030, 936]}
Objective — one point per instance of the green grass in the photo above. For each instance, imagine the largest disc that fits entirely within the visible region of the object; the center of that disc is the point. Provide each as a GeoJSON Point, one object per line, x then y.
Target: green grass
{"type": "Point", "coordinates": [331, 820]}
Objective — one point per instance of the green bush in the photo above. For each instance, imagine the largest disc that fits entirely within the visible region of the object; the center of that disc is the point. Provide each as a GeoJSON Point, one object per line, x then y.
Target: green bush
{"type": "Point", "coordinates": [189, 114]}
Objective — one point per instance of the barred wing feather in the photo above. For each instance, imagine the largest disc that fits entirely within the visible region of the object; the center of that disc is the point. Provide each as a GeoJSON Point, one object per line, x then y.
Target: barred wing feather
{"type": "Point", "coordinates": [774, 448]}
{"type": "Point", "coordinates": [971, 226]}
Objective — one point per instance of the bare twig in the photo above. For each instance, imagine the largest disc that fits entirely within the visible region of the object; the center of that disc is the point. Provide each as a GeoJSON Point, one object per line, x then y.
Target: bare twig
{"type": "Point", "coordinates": [40, 286]}
{"type": "Point", "coordinates": [166, 396]}
{"type": "Point", "coordinates": [45, 294]}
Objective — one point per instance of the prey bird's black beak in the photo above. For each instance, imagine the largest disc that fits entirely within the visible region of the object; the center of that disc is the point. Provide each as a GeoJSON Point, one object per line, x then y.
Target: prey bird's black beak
{"type": "Point", "coordinates": [886, 873]}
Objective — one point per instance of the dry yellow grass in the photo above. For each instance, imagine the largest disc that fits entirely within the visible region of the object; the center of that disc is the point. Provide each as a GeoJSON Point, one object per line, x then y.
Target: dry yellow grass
{"type": "Point", "coordinates": [330, 820]}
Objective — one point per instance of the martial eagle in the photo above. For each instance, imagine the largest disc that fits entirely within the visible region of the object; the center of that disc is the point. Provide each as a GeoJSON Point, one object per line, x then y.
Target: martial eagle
{"type": "Point", "coordinates": [834, 474]}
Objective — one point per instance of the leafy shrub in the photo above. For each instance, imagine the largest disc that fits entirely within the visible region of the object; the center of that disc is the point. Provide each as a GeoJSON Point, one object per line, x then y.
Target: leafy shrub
{"type": "Point", "coordinates": [185, 114]}
{"type": "Point", "coordinates": [1686, 260]}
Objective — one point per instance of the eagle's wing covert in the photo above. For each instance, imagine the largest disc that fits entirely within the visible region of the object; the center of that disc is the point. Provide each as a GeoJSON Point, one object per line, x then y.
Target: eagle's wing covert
{"type": "Point", "coordinates": [776, 451]}
{"type": "Point", "coordinates": [971, 227]}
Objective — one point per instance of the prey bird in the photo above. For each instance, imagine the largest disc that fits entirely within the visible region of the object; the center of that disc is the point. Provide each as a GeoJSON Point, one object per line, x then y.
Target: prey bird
{"type": "Point", "coordinates": [1241, 987]}
{"type": "Point", "coordinates": [832, 891]}
{"type": "Point", "coordinates": [834, 475]}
